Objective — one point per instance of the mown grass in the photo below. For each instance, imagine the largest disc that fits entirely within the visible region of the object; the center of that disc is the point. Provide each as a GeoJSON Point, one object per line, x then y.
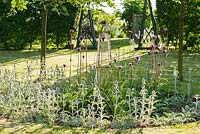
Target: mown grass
{"type": "Point", "coordinates": [59, 57]}
{"type": "Point", "coordinates": [30, 128]}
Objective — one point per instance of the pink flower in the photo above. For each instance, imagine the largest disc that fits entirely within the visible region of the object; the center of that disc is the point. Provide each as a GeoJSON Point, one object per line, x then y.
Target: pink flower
{"type": "Point", "coordinates": [81, 38]}
{"type": "Point", "coordinates": [164, 47]}
{"type": "Point", "coordinates": [119, 67]}
{"type": "Point", "coordinates": [156, 46]}
{"type": "Point", "coordinates": [137, 58]}
{"type": "Point", "coordinates": [64, 65]}
{"type": "Point", "coordinates": [164, 51]}
{"type": "Point", "coordinates": [78, 49]}
{"type": "Point", "coordinates": [130, 64]}
{"type": "Point", "coordinates": [71, 31]}
{"type": "Point", "coordinates": [154, 37]}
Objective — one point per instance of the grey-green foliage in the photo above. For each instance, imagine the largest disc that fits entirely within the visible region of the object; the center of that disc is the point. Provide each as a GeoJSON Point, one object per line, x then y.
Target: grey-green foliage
{"type": "Point", "coordinates": [56, 100]}
{"type": "Point", "coordinates": [25, 98]}
{"type": "Point", "coordinates": [140, 109]}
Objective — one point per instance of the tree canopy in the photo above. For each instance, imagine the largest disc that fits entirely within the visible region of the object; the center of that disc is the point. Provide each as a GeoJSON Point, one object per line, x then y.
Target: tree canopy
{"type": "Point", "coordinates": [131, 7]}
{"type": "Point", "coordinates": [168, 18]}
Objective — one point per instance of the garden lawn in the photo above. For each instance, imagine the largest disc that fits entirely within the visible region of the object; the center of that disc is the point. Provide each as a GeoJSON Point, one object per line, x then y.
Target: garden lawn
{"type": "Point", "coordinates": [30, 128]}
{"type": "Point", "coordinates": [59, 57]}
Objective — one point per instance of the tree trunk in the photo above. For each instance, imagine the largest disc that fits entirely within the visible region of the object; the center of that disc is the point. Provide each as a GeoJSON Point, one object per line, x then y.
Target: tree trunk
{"type": "Point", "coordinates": [79, 29]}
{"type": "Point", "coordinates": [142, 24]}
{"type": "Point", "coordinates": [181, 26]}
{"type": "Point", "coordinates": [57, 40]}
{"type": "Point", "coordinates": [31, 41]}
{"type": "Point", "coordinates": [44, 41]}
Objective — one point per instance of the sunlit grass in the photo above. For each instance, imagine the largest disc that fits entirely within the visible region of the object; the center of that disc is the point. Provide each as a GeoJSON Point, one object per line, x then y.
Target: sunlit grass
{"type": "Point", "coordinates": [59, 57]}
{"type": "Point", "coordinates": [16, 128]}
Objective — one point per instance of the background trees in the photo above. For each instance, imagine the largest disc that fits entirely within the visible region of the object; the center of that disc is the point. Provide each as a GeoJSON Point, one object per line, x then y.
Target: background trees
{"type": "Point", "coordinates": [168, 18]}
{"type": "Point", "coordinates": [131, 7]}
{"type": "Point", "coordinates": [20, 21]}
{"type": "Point", "coordinates": [22, 28]}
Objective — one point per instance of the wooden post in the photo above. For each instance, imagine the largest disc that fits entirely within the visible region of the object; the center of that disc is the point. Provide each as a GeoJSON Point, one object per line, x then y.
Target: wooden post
{"type": "Point", "coordinates": [180, 54]}
{"type": "Point", "coordinates": [44, 41]}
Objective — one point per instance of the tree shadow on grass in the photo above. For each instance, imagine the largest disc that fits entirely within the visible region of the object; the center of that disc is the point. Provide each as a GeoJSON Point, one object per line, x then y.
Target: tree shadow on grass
{"type": "Point", "coordinates": [14, 56]}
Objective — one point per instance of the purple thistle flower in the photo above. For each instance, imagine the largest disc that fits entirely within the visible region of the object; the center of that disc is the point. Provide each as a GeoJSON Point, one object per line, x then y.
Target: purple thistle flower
{"type": "Point", "coordinates": [137, 58]}
{"type": "Point", "coordinates": [156, 46]}
{"type": "Point", "coordinates": [130, 64]}
{"type": "Point", "coordinates": [119, 67]}
{"type": "Point", "coordinates": [164, 51]}
{"type": "Point", "coordinates": [71, 31]}
{"type": "Point", "coordinates": [64, 65]}
{"type": "Point", "coordinates": [164, 47]}
{"type": "Point", "coordinates": [154, 37]}
{"type": "Point", "coordinates": [81, 38]}
{"type": "Point", "coordinates": [78, 48]}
